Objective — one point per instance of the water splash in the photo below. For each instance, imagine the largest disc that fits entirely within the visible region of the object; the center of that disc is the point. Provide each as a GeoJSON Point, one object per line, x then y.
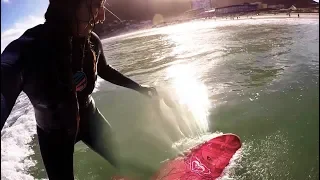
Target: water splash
{"type": "Point", "coordinates": [188, 98]}
{"type": "Point", "coordinates": [15, 138]}
{"type": "Point", "coordinates": [263, 159]}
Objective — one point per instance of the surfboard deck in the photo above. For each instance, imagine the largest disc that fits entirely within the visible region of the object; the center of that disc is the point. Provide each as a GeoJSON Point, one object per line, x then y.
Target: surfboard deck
{"type": "Point", "coordinates": [203, 162]}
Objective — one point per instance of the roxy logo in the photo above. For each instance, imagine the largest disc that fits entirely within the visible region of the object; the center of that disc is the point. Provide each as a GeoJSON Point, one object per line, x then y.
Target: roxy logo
{"type": "Point", "coordinates": [197, 167]}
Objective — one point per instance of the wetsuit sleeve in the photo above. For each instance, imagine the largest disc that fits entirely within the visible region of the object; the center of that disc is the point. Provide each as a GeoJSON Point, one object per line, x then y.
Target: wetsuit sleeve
{"type": "Point", "coordinates": [106, 72]}
{"type": "Point", "coordinates": [11, 78]}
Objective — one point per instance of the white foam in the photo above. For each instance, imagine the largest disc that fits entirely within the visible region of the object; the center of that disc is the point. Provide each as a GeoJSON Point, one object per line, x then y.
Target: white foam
{"type": "Point", "coordinates": [97, 86]}
{"type": "Point", "coordinates": [15, 138]}
{"type": "Point", "coordinates": [234, 163]}
{"type": "Point", "coordinates": [260, 159]}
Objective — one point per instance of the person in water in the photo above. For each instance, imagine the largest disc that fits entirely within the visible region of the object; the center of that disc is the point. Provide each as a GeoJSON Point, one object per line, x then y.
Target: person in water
{"type": "Point", "coordinates": [56, 64]}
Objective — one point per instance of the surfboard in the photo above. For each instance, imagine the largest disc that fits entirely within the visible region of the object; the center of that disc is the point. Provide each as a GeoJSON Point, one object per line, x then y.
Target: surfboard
{"type": "Point", "coordinates": [203, 162]}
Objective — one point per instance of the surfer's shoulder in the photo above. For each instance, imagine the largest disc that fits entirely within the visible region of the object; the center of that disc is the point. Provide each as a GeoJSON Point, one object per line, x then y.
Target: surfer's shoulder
{"type": "Point", "coordinates": [24, 41]}
{"type": "Point", "coordinates": [30, 35]}
{"type": "Point", "coordinates": [19, 47]}
{"type": "Point", "coordinates": [95, 39]}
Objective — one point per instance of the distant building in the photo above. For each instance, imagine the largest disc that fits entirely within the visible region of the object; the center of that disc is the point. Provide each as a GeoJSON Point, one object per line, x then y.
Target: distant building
{"type": "Point", "coordinates": [264, 6]}
{"type": "Point", "coordinates": [192, 14]}
{"type": "Point", "coordinates": [207, 14]}
{"type": "Point", "coordinates": [236, 9]}
{"type": "Point", "coordinates": [260, 5]}
{"type": "Point", "coordinates": [292, 8]}
{"type": "Point", "coordinates": [276, 6]}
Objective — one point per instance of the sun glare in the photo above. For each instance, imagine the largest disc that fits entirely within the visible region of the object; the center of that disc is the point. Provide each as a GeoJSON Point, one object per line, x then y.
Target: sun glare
{"type": "Point", "coordinates": [190, 93]}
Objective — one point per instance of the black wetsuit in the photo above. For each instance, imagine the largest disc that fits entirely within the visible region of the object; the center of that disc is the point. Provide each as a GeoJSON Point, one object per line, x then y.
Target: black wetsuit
{"type": "Point", "coordinates": [38, 64]}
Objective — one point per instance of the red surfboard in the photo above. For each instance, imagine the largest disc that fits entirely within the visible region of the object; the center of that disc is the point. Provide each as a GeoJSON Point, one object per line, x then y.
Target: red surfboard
{"type": "Point", "coordinates": [203, 162]}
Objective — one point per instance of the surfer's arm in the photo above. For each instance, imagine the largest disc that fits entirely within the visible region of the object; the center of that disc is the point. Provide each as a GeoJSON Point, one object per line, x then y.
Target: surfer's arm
{"type": "Point", "coordinates": [11, 77]}
{"type": "Point", "coordinates": [108, 73]}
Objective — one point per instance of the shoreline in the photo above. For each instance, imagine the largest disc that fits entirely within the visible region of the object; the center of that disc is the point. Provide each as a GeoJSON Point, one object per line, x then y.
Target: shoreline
{"type": "Point", "coordinates": [139, 27]}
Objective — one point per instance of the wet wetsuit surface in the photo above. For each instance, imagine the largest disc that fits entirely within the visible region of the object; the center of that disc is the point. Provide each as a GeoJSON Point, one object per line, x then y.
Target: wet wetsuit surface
{"type": "Point", "coordinates": [39, 64]}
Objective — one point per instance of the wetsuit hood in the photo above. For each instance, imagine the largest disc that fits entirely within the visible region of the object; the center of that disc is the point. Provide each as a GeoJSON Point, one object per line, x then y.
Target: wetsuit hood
{"type": "Point", "coordinates": [61, 14]}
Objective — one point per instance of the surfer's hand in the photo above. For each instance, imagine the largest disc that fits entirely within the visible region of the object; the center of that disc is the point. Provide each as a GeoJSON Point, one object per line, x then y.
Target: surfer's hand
{"type": "Point", "coordinates": [148, 91]}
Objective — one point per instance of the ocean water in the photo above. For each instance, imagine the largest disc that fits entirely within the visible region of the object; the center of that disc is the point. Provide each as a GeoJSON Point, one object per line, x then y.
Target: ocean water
{"type": "Point", "coordinates": [257, 78]}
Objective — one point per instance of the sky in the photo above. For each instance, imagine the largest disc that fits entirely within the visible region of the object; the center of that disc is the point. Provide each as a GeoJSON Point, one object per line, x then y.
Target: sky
{"type": "Point", "coordinates": [19, 15]}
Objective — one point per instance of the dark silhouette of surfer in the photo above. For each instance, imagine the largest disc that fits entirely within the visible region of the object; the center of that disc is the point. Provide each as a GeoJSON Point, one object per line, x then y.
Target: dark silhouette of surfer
{"type": "Point", "coordinates": [56, 64]}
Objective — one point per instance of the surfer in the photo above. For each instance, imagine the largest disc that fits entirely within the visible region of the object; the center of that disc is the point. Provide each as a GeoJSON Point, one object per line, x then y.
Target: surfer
{"type": "Point", "coordinates": [56, 64]}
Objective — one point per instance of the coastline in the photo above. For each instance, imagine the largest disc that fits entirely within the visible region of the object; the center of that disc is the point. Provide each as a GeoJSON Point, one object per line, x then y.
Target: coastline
{"type": "Point", "coordinates": [149, 25]}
